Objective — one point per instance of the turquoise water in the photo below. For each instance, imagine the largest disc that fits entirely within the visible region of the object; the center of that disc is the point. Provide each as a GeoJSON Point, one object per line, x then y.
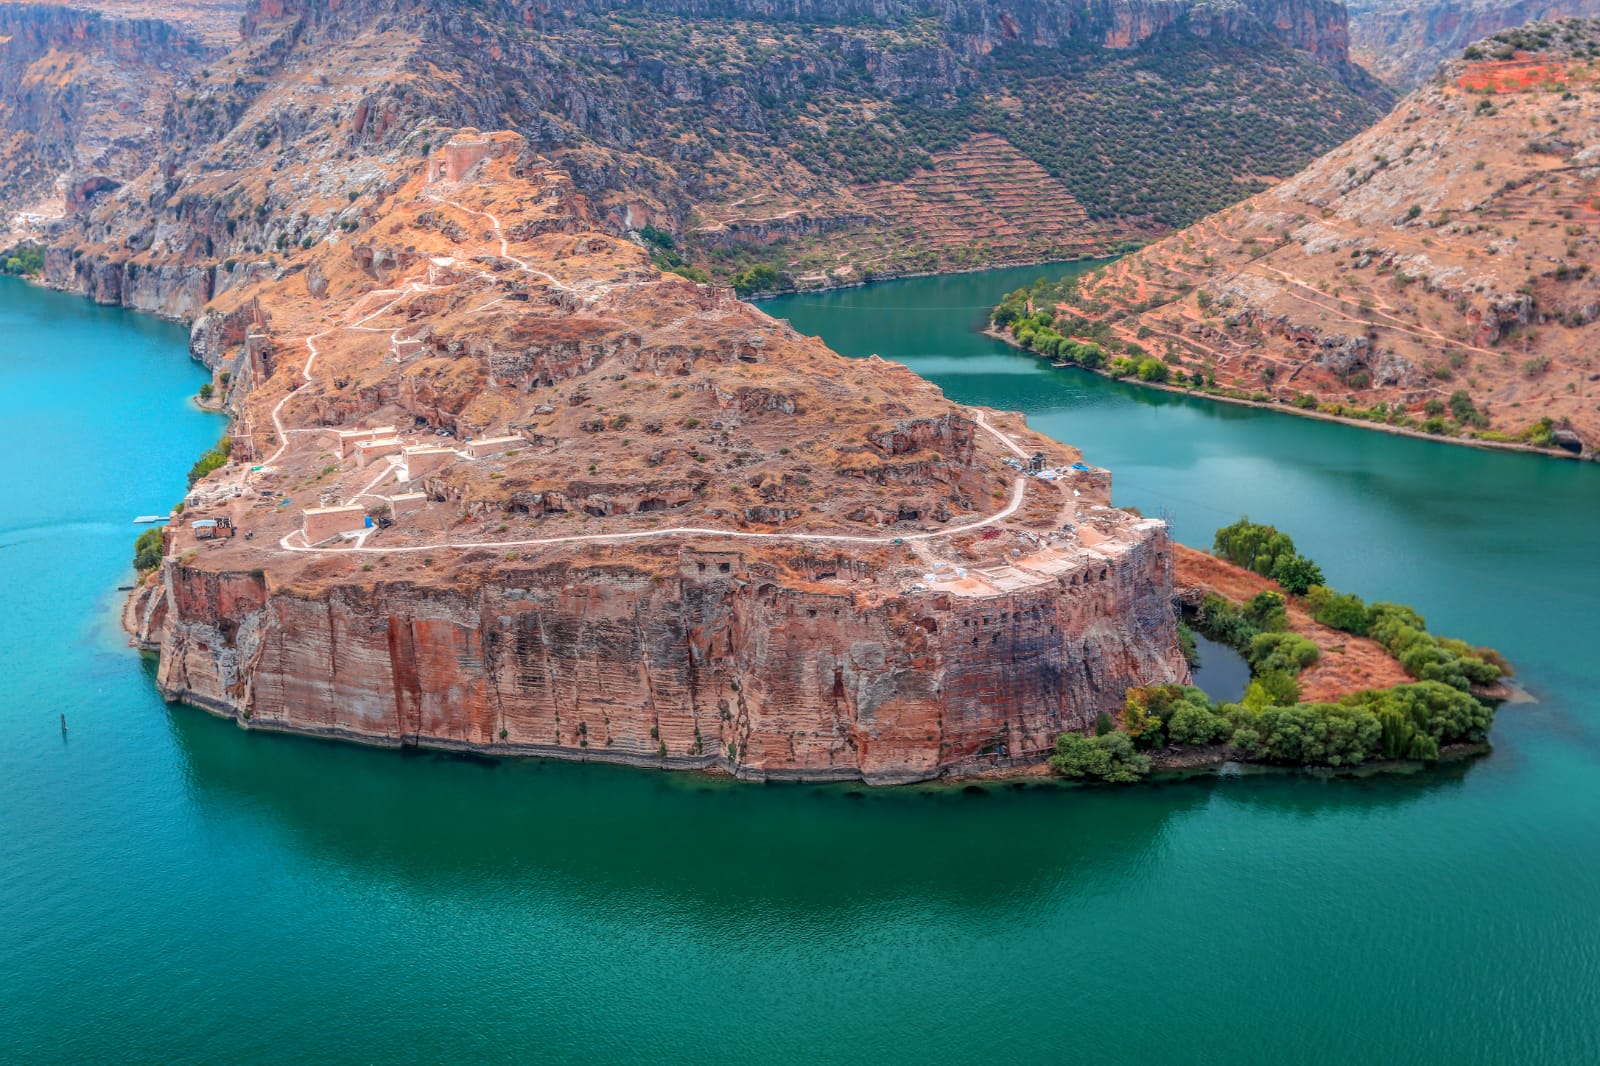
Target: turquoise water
{"type": "Point", "coordinates": [178, 891]}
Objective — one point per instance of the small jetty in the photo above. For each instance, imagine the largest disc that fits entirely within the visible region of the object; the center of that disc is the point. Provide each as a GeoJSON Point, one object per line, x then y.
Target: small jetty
{"type": "Point", "coordinates": [147, 519]}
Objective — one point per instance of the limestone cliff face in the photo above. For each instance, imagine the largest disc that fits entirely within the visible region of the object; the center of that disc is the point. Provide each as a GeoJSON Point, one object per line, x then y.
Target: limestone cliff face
{"type": "Point", "coordinates": [81, 95]}
{"type": "Point", "coordinates": [1405, 41]}
{"type": "Point", "coordinates": [716, 664]}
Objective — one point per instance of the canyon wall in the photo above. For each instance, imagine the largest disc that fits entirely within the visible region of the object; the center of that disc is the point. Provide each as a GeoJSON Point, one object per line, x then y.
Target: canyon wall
{"type": "Point", "coordinates": [737, 126]}
{"type": "Point", "coordinates": [686, 659]}
{"type": "Point", "coordinates": [81, 97]}
{"type": "Point", "coordinates": [1405, 41]}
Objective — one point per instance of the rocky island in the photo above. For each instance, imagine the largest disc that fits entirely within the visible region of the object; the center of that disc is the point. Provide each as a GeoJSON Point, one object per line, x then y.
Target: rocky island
{"type": "Point", "coordinates": [497, 483]}
{"type": "Point", "coordinates": [513, 470]}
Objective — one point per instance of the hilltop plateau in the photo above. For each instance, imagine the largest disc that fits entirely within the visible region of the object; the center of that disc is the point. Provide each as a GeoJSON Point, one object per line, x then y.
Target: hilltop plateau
{"type": "Point", "coordinates": [818, 145]}
{"type": "Point", "coordinates": [497, 482]}
{"type": "Point", "coordinates": [1433, 273]}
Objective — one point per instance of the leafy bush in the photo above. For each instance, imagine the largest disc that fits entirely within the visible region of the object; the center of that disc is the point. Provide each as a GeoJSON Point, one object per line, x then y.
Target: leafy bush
{"type": "Point", "coordinates": [24, 260]}
{"type": "Point", "coordinates": [1338, 610]}
{"type": "Point", "coordinates": [1287, 653]}
{"type": "Point", "coordinates": [760, 278]}
{"type": "Point", "coordinates": [1225, 623]}
{"type": "Point", "coordinates": [1265, 551]}
{"type": "Point", "coordinates": [1186, 643]}
{"type": "Point", "coordinates": [1192, 724]}
{"type": "Point", "coordinates": [1403, 632]}
{"type": "Point", "coordinates": [1147, 710]}
{"type": "Point", "coordinates": [1154, 370]}
{"type": "Point", "coordinates": [1418, 719]}
{"type": "Point", "coordinates": [1296, 574]}
{"type": "Point", "coordinates": [1275, 688]}
{"type": "Point", "coordinates": [1266, 611]}
{"type": "Point", "coordinates": [147, 550]}
{"type": "Point", "coordinates": [214, 459]}
{"type": "Point", "coordinates": [1104, 758]}
{"type": "Point", "coordinates": [1307, 733]}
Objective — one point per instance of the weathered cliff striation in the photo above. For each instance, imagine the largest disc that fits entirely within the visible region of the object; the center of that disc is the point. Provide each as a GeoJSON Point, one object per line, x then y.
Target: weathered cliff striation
{"type": "Point", "coordinates": [81, 96]}
{"type": "Point", "coordinates": [836, 141]}
{"type": "Point", "coordinates": [612, 662]}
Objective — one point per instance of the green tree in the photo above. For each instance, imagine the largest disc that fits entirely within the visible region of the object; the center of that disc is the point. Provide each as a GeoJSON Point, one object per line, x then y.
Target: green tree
{"type": "Point", "coordinates": [1195, 725]}
{"type": "Point", "coordinates": [1109, 758]}
{"type": "Point", "coordinates": [1296, 573]}
{"type": "Point", "coordinates": [1287, 653]}
{"type": "Point", "coordinates": [1154, 370]}
{"type": "Point", "coordinates": [1343, 611]}
{"type": "Point", "coordinates": [213, 459]}
{"type": "Point", "coordinates": [147, 550]}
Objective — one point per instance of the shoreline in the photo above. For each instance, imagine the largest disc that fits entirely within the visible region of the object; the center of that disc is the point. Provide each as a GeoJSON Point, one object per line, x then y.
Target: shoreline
{"type": "Point", "coordinates": [1302, 412]}
{"type": "Point", "coordinates": [840, 286]}
{"type": "Point", "coordinates": [1170, 766]}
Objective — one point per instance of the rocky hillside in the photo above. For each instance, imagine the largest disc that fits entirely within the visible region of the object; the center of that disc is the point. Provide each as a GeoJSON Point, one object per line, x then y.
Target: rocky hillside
{"type": "Point", "coordinates": [215, 22]}
{"type": "Point", "coordinates": [600, 512]}
{"type": "Point", "coordinates": [82, 96]}
{"type": "Point", "coordinates": [1434, 273]}
{"type": "Point", "coordinates": [1405, 41]}
{"type": "Point", "coordinates": [830, 140]}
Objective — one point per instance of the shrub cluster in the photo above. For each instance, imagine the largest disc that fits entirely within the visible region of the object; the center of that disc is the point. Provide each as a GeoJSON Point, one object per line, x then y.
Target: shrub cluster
{"type": "Point", "coordinates": [24, 260]}
{"type": "Point", "coordinates": [1237, 627]}
{"type": "Point", "coordinates": [1109, 757]}
{"type": "Point", "coordinates": [761, 278]}
{"type": "Point", "coordinates": [1270, 723]}
{"type": "Point", "coordinates": [147, 550]}
{"type": "Point", "coordinates": [213, 459]}
{"type": "Point", "coordinates": [1036, 333]}
{"type": "Point", "coordinates": [1411, 721]}
{"type": "Point", "coordinates": [1265, 551]}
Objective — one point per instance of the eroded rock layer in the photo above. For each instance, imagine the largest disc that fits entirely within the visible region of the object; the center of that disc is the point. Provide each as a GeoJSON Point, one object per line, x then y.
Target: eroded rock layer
{"type": "Point", "coordinates": [667, 661]}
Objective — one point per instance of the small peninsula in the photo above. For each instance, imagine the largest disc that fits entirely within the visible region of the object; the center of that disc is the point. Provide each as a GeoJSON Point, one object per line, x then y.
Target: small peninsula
{"type": "Point", "coordinates": [497, 483]}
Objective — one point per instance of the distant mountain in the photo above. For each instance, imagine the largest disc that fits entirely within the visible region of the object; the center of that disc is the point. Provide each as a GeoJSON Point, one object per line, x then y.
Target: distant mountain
{"type": "Point", "coordinates": [1404, 41]}
{"type": "Point", "coordinates": [1434, 272]}
{"type": "Point", "coordinates": [828, 138]}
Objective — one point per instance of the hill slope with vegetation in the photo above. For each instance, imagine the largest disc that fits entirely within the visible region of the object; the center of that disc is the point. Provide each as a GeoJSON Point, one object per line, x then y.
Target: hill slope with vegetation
{"type": "Point", "coordinates": [1433, 274]}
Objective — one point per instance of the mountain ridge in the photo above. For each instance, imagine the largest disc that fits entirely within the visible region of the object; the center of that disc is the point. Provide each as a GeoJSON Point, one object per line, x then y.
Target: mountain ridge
{"type": "Point", "coordinates": [763, 134]}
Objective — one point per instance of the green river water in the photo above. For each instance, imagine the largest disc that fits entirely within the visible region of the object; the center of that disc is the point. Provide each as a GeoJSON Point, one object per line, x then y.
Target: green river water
{"type": "Point", "coordinates": [176, 890]}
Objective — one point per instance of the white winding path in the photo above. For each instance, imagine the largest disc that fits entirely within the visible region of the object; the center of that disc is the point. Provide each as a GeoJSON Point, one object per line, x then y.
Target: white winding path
{"type": "Point", "coordinates": [1018, 488]}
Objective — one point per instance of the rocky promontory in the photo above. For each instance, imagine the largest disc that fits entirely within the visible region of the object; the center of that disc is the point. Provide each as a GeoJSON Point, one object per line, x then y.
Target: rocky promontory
{"type": "Point", "coordinates": [496, 483]}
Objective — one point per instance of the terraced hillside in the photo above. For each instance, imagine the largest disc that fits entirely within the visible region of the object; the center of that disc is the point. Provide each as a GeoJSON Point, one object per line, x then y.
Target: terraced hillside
{"type": "Point", "coordinates": [982, 202]}
{"type": "Point", "coordinates": [1433, 274]}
